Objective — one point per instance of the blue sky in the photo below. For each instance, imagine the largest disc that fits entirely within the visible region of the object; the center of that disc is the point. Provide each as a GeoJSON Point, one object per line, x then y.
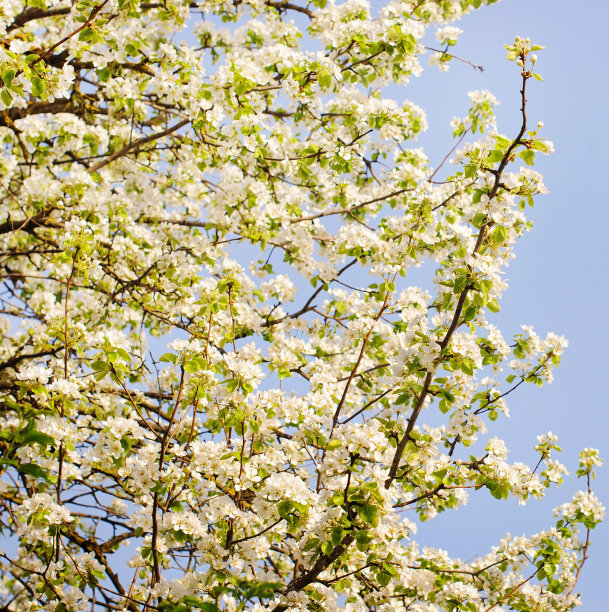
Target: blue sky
{"type": "Point", "coordinates": [559, 280]}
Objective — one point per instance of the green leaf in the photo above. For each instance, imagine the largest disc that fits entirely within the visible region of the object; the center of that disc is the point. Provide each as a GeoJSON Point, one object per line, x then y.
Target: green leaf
{"type": "Point", "coordinates": [8, 77]}
{"type": "Point", "coordinates": [479, 219]}
{"type": "Point", "coordinates": [369, 514]}
{"type": "Point", "coordinates": [467, 367]}
{"type": "Point", "coordinates": [495, 156]}
{"type": "Point", "coordinates": [6, 97]}
{"type": "Point", "coordinates": [460, 284]}
{"type": "Point", "coordinates": [499, 234]}
{"type": "Point", "coordinates": [124, 355]}
{"type": "Point", "coordinates": [493, 306]}
{"type": "Point", "coordinates": [363, 539]}
{"type": "Point", "coordinates": [191, 366]}
{"type": "Point", "coordinates": [502, 142]}
{"type": "Point", "coordinates": [38, 87]}
{"type": "Point", "coordinates": [446, 394]}
{"type": "Point", "coordinates": [402, 399]}
{"type": "Point", "coordinates": [324, 78]}
{"type": "Point", "coordinates": [337, 535]}
{"type": "Point", "coordinates": [470, 313]}
{"type": "Point", "coordinates": [284, 372]}
{"type": "Point", "coordinates": [311, 544]}
{"type": "Point", "coordinates": [33, 470]}
{"type": "Point", "coordinates": [195, 602]}
{"type": "Point", "coordinates": [86, 34]}
{"type": "Point", "coordinates": [284, 508]}
{"type": "Point", "coordinates": [37, 437]}
{"type": "Point", "coordinates": [528, 156]}
{"type": "Point", "coordinates": [409, 43]}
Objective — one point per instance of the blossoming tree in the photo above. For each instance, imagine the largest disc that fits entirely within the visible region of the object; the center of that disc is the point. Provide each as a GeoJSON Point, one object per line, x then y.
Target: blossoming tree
{"type": "Point", "coordinates": [210, 347]}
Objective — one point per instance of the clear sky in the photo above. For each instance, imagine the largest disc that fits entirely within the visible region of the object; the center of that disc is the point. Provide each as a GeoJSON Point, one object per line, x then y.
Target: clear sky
{"type": "Point", "coordinates": [559, 281]}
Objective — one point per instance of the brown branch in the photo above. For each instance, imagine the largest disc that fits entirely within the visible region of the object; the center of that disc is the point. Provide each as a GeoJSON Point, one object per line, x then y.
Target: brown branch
{"type": "Point", "coordinates": [26, 225]}
{"type": "Point", "coordinates": [99, 551]}
{"type": "Point", "coordinates": [338, 211]}
{"type": "Point", "coordinates": [367, 405]}
{"type": "Point", "coordinates": [321, 564]}
{"type": "Point", "coordinates": [585, 548]}
{"type": "Point", "coordinates": [30, 13]}
{"type": "Point", "coordinates": [511, 592]}
{"type": "Point", "coordinates": [86, 24]}
{"type": "Point", "coordinates": [257, 535]}
{"type": "Point", "coordinates": [460, 59]}
{"type": "Point", "coordinates": [69, 105]}
{"type": "Point", "coordinates": [136, 67]}
{"type": "Point", "coordinates": [430, 179]}
{"type": "Point", "coordinates": [359, 359]}
{"type": "Point", "coordinates": [136, 144]}
{"type": "Point", "coordinates": [399, 451]}
{"type": "Point", "coordinates": [285, 5]}
{"type": "Point", "coordinates": [13, 361]}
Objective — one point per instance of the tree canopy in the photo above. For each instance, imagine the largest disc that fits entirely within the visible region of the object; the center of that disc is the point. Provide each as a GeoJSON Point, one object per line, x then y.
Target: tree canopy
{"type": "Point", "coordinates": [220, 390]}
